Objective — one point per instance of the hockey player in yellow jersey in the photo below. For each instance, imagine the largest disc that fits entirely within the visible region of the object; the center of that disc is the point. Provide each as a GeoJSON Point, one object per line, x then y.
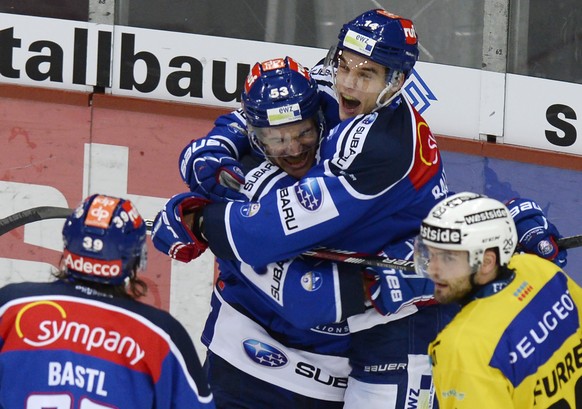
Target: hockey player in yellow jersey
{"type": "Point", "coordinates": [516, 342]}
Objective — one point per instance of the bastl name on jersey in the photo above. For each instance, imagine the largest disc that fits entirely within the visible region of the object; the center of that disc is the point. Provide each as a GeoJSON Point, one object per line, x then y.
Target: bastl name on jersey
{"type": "Point", "coordinates": [92, 380]}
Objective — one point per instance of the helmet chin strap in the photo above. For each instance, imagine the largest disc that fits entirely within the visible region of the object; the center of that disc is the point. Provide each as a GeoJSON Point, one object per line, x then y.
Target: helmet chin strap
{"type": "Point", "coordinates": [394, 79]}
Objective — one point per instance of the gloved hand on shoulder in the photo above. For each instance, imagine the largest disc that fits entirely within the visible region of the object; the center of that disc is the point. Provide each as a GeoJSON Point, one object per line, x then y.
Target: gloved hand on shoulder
{"type": "Point", "coordinates": [535, 233]}
{"type": "Point", "coordinates": [391, 290]}
{"type": "Point", "coordinates": [175, 229]}
{"type": "Point", "coordinates": [208, 168]}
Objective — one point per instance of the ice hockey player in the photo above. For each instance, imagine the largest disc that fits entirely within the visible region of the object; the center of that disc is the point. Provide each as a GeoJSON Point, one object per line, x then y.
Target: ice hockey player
{"type": "Point", "coordinates": [84, 340]}
{"type": "Point", "coordinates": [516, 341]}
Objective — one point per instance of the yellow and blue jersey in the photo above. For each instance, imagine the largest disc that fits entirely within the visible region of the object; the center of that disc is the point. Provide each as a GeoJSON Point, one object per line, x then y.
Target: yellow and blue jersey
{"type": "Point", "coordinates": [517, 347]}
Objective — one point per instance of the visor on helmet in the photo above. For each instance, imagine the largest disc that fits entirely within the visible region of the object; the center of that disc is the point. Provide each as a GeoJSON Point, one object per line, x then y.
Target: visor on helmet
{"type": "Point", "coordinates": [286, 140]}
{"type": "Point", "coordinates": [432, 261]}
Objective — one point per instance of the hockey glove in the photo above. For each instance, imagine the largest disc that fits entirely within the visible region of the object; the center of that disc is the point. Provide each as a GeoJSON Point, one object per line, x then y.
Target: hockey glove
{"type": "Point", "coordinates": [209, 169]}
{"type": "Point", "coordinates": [390, 291]}
{"type": "Point", "coordinates": [173, 235]}
{"type": "Point", "coordinates": [535, 234]}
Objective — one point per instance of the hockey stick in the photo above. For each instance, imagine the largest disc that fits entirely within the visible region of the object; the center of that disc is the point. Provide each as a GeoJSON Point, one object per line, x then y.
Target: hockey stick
{"type": "Point", "coordinates": [51, 212]}
{"type": "Point", "coordinates": [32, 215]}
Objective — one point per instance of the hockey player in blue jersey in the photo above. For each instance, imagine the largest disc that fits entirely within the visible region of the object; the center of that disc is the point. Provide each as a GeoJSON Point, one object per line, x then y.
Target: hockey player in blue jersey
{"type": "Point", "coordinates": [84, 340]}
{"type": "Point", "coordinates": [376, 178]}
{"type": "Point", "coordinates": [265, 346]}
{"type": "Point", "coordinates": [395, 384]}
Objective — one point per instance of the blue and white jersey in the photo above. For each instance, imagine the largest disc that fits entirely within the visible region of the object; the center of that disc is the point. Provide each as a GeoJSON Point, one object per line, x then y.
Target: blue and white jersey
{"type": "Point", "coordinates": [268, 322]}
{"type": "Point", "coordinates": [377, 178]}
{"type": "Point", "coordinates": [268, 302]}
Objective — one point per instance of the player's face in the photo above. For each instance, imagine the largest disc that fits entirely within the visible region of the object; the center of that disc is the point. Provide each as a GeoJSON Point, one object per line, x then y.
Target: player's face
{"type": "Point", "coordinates": [291, 147]}
{"type": "Point", "coordinates": [450, 271]}
{"type": "Point", "coordinates": [358, 83]}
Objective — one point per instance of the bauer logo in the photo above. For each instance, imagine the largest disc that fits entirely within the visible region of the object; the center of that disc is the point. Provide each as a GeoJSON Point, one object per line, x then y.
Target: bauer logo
{"type": "Point", "coordinates": [264, 354]}
{"type": "Point", "coordinates": [418, 93]}
{"type": "Point", "coordinates": [309, 194]}
{"type": "Point", "coordinates": [440, 234]}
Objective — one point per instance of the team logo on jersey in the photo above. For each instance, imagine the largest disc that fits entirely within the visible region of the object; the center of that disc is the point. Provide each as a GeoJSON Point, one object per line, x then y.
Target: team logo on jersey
{"type": "Point", "coordinates": [370, 118]}
{"type": "Point", "coordinates": [235, 128]}
{"type": "Point", "coordinates": [311, 281]}
{"type": "Point", "coordinates": [249, 210]}
{"type": "Point", "coordinates": [309, 194]}
{"type": "Point", "coordinates": [264, 354]}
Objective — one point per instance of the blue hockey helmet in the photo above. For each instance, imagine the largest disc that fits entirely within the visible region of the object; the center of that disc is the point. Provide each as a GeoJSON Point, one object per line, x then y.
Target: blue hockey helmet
{"type": "Point", "coordinates": [278, 92]}
{"type": "Point", "coordinates": [383, 37]}
{"type": "Point", "coordinates": [104, 240]}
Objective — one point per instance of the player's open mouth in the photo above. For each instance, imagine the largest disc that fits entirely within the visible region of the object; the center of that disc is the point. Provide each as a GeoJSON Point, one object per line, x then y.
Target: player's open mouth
{"type": "Point", "coordinates": [350, 103]}
{"type": "Point", "coordinates": [297, 161]}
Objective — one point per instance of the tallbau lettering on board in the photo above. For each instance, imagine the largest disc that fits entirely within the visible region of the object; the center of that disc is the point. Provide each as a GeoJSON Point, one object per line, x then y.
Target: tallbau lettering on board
{"type": "Point", "coordinates": [45, 60]}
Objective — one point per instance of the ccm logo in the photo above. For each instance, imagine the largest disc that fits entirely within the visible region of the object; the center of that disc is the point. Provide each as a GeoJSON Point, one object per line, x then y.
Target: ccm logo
{"type": "Point", "coordinates": [91, 266]}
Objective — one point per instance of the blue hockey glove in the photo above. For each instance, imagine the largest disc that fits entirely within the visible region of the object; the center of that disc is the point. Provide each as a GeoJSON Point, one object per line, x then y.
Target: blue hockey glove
{"type": "Point", "coordinates": [535, 234]}
{"type": "Point", "coordinates": [390, 291]}
{"type": "Point", "coordinates": [209, 169]}
{"type": "Point", "coordinates": [171, 233]}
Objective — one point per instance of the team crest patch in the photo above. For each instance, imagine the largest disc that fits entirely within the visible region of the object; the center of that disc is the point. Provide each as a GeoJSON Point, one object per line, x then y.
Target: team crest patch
{"type": "Point", "coordinates": [309, 194]}
{"type": "Point", "coordinates": [311, 281]}
{"type": "Point", "coordinates": [249, 210]}
{"type": "Point", "coordinates": [264, 354]}
{"type": "Point", "coordinates": [370, 118]}
{"type": "Point", "coordinates": [545, 247]}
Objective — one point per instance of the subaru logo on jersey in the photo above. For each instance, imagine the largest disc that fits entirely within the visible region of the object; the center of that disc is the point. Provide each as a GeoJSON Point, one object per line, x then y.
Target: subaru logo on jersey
{"type": "Point", "coordinates": [311, 281]}
{"type": "Point", "coordinates": [309, 194]}
{"type": "Point", "coordinates": [264, 354]}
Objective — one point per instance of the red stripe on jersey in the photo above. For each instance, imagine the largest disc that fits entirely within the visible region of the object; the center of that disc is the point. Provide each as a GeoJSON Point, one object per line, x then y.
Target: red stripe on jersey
{"type": "Point", "coordinates": [86, 329]}
{"type": "Point", "coordinates": [426, 154]}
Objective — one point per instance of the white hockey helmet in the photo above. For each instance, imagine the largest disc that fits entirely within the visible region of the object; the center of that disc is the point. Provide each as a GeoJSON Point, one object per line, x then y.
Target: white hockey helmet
{"type": "Point", "coordinates": [467, 222]}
